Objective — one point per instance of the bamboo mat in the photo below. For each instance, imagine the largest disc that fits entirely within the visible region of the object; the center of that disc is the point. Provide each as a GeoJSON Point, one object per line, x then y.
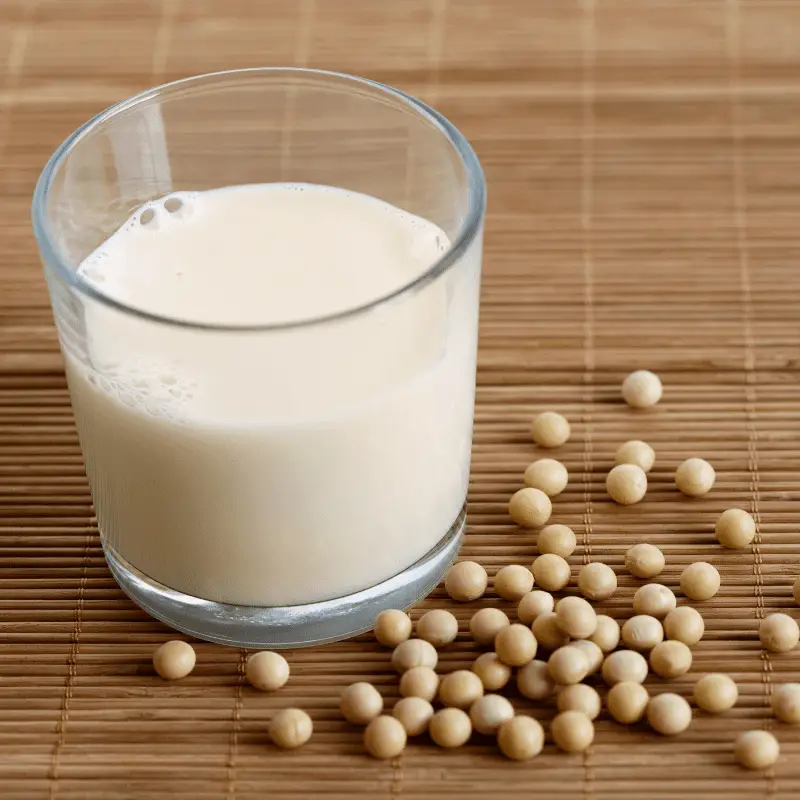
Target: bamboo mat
{"type": "Point", "coordinates": [643, 161]}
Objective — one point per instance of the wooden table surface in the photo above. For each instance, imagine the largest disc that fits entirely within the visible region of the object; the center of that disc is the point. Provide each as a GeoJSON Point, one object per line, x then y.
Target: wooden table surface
{"type": "Point", "coordinates": [643, 163]}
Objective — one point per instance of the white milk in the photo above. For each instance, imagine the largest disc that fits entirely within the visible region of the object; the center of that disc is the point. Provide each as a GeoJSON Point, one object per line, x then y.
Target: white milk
{"type": "Point", "coordinates": [274, 467]}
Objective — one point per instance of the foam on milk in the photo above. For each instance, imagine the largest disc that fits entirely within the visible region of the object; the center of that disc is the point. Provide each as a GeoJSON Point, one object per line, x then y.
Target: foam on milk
{"type": "Point", "coordinates": [274, 467]}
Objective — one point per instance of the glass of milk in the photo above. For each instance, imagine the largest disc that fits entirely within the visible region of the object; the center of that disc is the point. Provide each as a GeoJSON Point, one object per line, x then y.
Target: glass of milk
{"type": "Point", "coordinates": [266, 284]}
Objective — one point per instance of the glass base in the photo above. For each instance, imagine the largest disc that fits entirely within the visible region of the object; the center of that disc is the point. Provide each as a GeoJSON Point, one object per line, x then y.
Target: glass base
{"type": "Point", "coordinates": [287, 626]}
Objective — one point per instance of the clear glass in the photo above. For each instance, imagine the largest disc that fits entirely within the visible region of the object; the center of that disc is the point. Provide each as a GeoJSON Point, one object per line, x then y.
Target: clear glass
{"type": "Point", "coordinates": [295, 526]}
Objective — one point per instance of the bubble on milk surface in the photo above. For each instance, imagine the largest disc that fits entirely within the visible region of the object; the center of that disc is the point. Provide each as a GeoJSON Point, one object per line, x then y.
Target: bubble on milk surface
{"type": "Point", "coordinates": [153, 216]}
{"type": "Point", "coordinates": [149, 217]}
{"type": "Point", "coordinates": [167, 210]}
{"type": "Point", "coordinates": [173, 204]}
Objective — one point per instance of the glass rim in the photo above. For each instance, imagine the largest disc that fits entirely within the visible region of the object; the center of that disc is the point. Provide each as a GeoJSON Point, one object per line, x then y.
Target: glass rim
{"type": "Point", "coordinates": [470, 226]}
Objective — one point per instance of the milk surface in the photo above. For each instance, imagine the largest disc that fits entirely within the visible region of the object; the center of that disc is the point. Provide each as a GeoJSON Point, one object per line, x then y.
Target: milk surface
{"type": "Point", "coordinates": [274, 467]}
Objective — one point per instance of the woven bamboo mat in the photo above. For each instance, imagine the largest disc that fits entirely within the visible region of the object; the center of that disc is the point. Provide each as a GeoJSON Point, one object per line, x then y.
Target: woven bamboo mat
{"type": "Point", "coordinates": [643, 161]}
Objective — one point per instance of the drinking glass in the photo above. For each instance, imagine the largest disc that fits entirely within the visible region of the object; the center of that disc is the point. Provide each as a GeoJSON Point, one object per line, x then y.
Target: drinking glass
{"type": "Point", "coordinates": [256, 534]}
